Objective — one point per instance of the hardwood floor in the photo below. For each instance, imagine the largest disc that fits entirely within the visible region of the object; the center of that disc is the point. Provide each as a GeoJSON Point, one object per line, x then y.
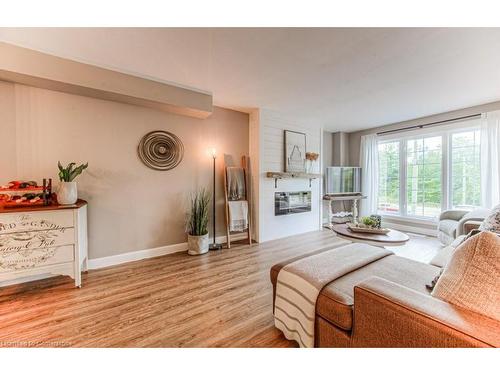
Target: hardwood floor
{"type": "Point", "coordinates": [420, 248]}
{"type": "Point", "coordinates": [220, 299]}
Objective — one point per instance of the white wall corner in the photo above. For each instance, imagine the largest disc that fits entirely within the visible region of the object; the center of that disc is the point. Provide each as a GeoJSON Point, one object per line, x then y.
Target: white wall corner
{"type": "Point", "coordinates": [321, 170]}
{"type": "Point", "coordinates": [255, 169]}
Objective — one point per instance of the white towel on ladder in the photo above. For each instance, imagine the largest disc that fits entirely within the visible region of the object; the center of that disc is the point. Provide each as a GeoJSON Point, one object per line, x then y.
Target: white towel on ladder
{"type": "Point", "coordinates": [238, 216]}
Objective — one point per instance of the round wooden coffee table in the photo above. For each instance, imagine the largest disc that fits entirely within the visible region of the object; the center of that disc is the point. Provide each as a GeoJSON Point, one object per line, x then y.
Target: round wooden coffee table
{"type": "Point", "coordinates": [392, 238]}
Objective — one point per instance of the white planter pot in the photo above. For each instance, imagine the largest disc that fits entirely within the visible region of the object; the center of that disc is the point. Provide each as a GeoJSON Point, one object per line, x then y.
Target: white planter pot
{"type": "Point", "coordinates": [67, 193]}
{"type": "Point", "coordinates": [197, 245]}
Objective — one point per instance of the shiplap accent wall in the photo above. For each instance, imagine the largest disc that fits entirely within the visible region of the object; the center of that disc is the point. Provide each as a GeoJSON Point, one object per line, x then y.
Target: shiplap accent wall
{"type": "Point", "coordinates": [270, 128]}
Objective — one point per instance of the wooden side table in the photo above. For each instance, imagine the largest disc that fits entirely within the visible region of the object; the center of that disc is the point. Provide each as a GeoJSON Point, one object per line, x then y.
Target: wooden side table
{"type": "Point", "coordinates": [354, 198]}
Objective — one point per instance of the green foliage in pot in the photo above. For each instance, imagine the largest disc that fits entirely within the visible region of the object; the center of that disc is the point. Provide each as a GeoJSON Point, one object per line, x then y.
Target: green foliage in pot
{"type": "Point", "coordinates": [198, 215]}
{"type": "Point", "coordinates": [368, 221]}
{"type": "Point", "coordinates": [69, 173]}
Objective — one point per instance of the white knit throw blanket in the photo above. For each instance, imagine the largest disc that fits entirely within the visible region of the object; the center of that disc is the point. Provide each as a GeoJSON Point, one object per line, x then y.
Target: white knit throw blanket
{"type": "Point", "coordinates": [238, 216]}
{"type": "Point", "coordinates": [299, 284]}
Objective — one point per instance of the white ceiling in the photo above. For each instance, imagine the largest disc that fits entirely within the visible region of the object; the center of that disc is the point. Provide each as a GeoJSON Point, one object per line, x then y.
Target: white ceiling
{"type": "Point", "coordinates": [346, 79]}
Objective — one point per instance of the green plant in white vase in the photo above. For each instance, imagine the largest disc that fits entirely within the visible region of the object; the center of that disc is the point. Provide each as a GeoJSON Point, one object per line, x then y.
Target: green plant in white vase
{"type": "Point", "coordinates": [68, 192]}
{"type": "Point", "coordinates": [197, 224]}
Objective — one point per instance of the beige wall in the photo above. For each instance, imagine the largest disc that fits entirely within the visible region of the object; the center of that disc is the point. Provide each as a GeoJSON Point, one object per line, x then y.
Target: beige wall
{"type": "Point", "coordinates": [355, 137]}
{"type": "Point", "coordinates": [335, 149]}
{"type": "Point", "coordinates": [340, 149]}
{"type": "Point", "coordinates": [131, 207]}
{"type": "Point", "coordinates": [327, 149]}
{"type": "Point", "coordinates": [7, 130]}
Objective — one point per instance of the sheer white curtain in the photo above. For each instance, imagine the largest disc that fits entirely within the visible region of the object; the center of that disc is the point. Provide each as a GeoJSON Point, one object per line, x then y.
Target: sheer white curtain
{"type": "Point", "coordinates": [368, 159]}
{"type": "Point", "coordinates": [490, 159]}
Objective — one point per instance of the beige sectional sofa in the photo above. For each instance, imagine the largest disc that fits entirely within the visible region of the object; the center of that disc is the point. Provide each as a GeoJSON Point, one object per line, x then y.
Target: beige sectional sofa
{"type": "Point", "coordinates": [387, 304]}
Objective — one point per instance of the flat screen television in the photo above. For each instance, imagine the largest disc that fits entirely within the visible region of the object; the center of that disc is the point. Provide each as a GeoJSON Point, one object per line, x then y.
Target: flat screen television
{"type": "Point", "coordinates": [343, 180]}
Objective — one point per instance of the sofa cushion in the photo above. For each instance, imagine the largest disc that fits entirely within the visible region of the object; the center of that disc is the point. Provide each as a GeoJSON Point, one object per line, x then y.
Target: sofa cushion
{"type": "Point", "coordinates": [444, 238]}
{"type": "Point", "coordinates": [444, 254]}
{"type": "Point", "coordinates": [448, 226]}
{"type": "Point", "coordinates": [471, 279]}
{"type": "Point", "coordinates": [477, 214]}
{"type": "Point", "coordinates": [335, 301]}
{"type": "Point", "coordinates": [492, 221]}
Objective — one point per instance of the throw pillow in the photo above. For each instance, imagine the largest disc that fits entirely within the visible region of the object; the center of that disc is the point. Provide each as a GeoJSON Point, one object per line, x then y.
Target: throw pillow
{"type": "Point", "coordinates": [471, 233]}
{"type": "Point", "coordinates": [443, 256]}
{"type": "Point", "coordinates": [471, 279]}
{"type": "Point", "coordinates": [434, 281]}
{"type": "Point", "coordinates": [492, 221]}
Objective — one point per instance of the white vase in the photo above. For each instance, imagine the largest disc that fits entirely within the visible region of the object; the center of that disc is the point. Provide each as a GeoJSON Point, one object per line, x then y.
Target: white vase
{"type": "Point", "coordinates": [197, 245]}
{"type": "Point", "coordinates": [310, 164]}
{"type": "Point", "coordinates": [67, 193]}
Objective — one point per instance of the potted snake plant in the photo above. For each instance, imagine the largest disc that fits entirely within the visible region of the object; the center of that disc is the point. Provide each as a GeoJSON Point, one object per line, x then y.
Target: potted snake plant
{"type": "Point", "coordinates": [68, 192]}
{"type": "Point", "coordinates": [197, 224]}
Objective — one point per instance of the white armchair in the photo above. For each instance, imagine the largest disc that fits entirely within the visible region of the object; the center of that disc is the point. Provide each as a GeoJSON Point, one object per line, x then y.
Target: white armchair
{"type": "Point", "coordinates": [451, 223]}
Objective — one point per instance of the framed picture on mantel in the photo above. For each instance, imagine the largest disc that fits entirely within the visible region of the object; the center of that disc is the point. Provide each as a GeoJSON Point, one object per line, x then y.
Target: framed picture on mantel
{"type": "Point", "coordinates": [295, 151]}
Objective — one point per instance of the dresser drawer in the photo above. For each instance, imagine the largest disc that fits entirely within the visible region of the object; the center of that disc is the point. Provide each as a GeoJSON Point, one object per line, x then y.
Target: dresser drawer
{"type": "Point", "coordinates": [37, 239]}
{"type": "Point", "coordinates": [32, 221]}
{"type": "Point", "coordinates": [33, 258]}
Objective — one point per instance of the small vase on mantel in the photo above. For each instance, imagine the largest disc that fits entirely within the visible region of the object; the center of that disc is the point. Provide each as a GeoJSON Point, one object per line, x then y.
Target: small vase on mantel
{"type": "Point", "coordinates": [67, 193]}
{"type": "Point", "coordinates": [311, 158]}
{"type": "Point", "coordinates": [310, 166]}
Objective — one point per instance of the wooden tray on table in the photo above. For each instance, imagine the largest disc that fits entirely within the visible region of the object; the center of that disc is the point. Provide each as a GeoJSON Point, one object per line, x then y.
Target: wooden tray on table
{"type": "Point", "coordinates": [354, 228]}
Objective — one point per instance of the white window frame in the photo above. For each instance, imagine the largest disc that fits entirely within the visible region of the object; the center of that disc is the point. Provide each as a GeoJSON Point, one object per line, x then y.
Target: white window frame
{"type": "Point", "coordinates": [401, 201]}
{"type": "Point", "coordinates": [449, 202]}
{"type": "Point", "coordinates": [445, 131]}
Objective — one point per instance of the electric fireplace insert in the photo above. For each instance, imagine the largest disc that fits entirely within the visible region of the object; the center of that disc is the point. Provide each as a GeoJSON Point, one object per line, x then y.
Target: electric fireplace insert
{"type": "Point", "coordinates": [291, 202]}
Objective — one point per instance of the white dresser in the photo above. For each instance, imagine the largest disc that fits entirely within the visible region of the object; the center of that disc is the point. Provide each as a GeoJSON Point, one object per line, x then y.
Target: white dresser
{"type": "Point", "coordinates": [48, 240]}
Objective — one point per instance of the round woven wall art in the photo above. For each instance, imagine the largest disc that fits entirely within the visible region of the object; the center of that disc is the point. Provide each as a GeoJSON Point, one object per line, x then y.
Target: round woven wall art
{"type": "Point", "coordinates": [160, 150]}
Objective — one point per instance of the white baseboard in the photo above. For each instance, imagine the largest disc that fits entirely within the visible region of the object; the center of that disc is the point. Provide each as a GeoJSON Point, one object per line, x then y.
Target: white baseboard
{"type": "Point", "coordinates": [408, 228]}
{"type": "Point", "coordinates": [133, 256]}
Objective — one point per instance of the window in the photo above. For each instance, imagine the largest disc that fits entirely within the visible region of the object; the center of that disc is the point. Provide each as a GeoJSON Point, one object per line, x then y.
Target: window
{"type": "Point", "coordinates": [465, 170]}
{"type": "Point", "coordinates": [388, 200]}
{"type": "Point", "coordinates": [421, 174]}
